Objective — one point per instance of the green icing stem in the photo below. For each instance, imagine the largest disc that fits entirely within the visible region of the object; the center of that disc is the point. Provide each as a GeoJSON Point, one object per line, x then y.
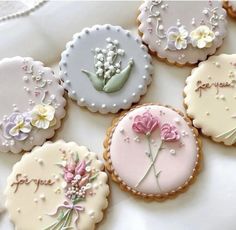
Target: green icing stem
{"type": "Point", "coordinates": [117, 81]}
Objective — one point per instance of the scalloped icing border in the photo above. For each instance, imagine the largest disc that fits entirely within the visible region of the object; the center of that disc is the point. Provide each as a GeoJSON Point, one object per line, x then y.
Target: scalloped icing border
{"type": "Point", "coordinates": [101, 108]}
{"type": "Point", "coordinates": [165, 59]}
{"type": "Point", "coordinates": [157, 197]}
{"type": "Point", "coordinates": [28, 154]}
{"type": "Point", "coordinates": [61, 93]}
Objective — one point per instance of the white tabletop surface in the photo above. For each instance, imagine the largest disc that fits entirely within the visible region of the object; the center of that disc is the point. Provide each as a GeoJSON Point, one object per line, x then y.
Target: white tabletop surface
{"type": "Point", "coordinates": [209, 204]}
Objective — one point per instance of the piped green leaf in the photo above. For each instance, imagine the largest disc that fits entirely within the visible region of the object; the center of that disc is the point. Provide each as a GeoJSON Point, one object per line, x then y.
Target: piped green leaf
{"type": "Point", "coordinates": [96, 81]}
{"type": "Point", "coordinates": [118, 80]}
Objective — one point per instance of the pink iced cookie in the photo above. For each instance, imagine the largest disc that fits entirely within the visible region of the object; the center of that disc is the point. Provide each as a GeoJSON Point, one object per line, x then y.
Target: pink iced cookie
{"type": "Point", "coordinates": [32, 104]}
{"type": "Point", "coordinates": [182, 32]}
{"type": "Point", "coordinates": [152, 151]}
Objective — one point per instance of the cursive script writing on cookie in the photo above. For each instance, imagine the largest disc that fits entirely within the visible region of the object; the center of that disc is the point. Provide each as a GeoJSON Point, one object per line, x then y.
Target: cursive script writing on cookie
{"type": "Point", "coordinates": [217, 85]}
{"type": "Point", "coordinates": [24, 180]}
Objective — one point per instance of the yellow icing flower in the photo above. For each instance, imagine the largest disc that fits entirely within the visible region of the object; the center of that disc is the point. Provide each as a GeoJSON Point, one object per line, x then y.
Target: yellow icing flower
{"type": "Point", "coordinates": [43, 116]}
{"type": "Point", "coordinates": [202, 37]}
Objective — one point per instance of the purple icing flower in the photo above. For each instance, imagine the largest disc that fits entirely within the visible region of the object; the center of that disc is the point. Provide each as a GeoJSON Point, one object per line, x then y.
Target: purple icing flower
{"type": "Point", "coordinates": [145, 124]}
{"type": "Point", "coordinates": [18, 126]}
{"type": "Point", "coordinates": [177, 38]}
{"type": "Point", "coordinates": [169, 132]}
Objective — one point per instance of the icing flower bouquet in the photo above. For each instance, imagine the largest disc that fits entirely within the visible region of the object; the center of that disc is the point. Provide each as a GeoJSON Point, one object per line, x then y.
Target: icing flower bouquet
{"type": "Point", "coordinates": [146, 125]}
{"type": "Point", "coordinates": [78, 176]}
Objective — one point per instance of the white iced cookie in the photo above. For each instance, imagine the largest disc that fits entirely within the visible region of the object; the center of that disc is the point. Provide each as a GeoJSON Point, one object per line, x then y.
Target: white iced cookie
{"type": "Point", "coordinates": [210, 98]}
{"type": "Point", "coordinates": [32, 104]}
{"type": "Point", "coordinates": [105, 68]}
{"type": "Point", "coordinates": [57, 186]}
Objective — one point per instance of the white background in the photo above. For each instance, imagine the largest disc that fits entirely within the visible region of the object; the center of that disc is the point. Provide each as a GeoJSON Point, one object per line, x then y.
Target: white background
{"type": "Point", "coordinates": [209, 204]}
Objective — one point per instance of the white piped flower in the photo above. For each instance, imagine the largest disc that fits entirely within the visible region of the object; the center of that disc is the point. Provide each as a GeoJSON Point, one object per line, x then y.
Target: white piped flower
{"type": "Point", "coordinates": [177, 38]}
{"type": "Point", "coordinates": [202, 37]}
{"type": "Point", "coordinates": [43, 116]}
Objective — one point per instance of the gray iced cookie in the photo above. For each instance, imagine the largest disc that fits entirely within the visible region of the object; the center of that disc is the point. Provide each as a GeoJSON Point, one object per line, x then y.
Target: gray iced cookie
{"type": "Point", "coordinates": [105, 68]}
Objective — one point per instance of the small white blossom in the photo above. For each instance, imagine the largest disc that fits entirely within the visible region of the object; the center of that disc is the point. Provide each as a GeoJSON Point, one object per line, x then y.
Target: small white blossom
{"type": "Point", "coordinates": [110, 53]}
{"type": "Point", "coordinates": [100, 57]}
{"type": "Point", "coordinates": [77, 177]}
{"type": "Point", "coordinates": [97, 50]}
{"type": "Point", "coordinates": [118, 65]}
{"type": "Point", "coordinates": [117, 71]}
{"type": "Point", "coordinates": [88, 168]}
{"type": "Point", "coordinates": [99, 64]}
{"type": "Point", "coordinates": [120, 51]}
{"type": "Point", "coordinates": [108, 39]}
{"type": "Point", "coordinates": [111, 68]}
{"type": "Point", "coordinates": [104, 51]}
{"type": "Point", "coordinates": [115, 42]}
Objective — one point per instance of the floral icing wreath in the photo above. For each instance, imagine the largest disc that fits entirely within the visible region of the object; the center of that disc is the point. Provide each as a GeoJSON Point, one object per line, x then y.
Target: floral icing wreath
{"type": "Point", "coordinates": [178, 37]}
{"type": "Point", "coordinates": [19, 125]}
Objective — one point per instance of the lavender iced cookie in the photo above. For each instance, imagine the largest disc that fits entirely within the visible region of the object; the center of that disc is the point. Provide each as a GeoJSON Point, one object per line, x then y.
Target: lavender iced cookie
{"type": "Point", "coordinates": [32, 104]}
{"type": "Point", "coordinates": [182, 32]}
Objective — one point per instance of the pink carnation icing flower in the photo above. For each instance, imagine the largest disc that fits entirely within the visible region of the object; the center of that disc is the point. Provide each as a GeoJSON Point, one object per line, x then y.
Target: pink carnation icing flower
{"type": "Point", "coordinates": [80, 168]}
{"type": "Point", "coordinates": [169, 132]}
{"type": "Point", "coordinates": [145, 124]}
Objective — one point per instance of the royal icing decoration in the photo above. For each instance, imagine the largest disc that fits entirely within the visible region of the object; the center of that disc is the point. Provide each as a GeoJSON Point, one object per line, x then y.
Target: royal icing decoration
{"type": "Point", "coordinates": [34, 105]}
{"type": "Point", "coordinates": [172, 33]}
{"type": "Point", "coordinates": [107, 74]}
{"type": "Point", "coordinates": [71, 194]}
{"type": "Point", "coordinates": [153, 150]}
{"type": "Point", "coordinates": [210, 98]}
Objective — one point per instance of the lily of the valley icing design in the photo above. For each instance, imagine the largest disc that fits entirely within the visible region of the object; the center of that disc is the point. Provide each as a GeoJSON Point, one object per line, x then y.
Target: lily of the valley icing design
{"type": "Point", "coordinates": [109, 75]}
{"type": "Point", "coordinates": [146, 124]}
{"type": "Point", "coordinates": [18, 125]}
{"type": "Point", "coordinates": [78, 176]}
{"type": "Point", "coordinates": [179, 37]}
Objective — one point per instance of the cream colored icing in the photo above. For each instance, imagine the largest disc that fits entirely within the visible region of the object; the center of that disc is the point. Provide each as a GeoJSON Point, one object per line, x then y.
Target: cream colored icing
{"type": "Point", "coordinates": [28, 84]}
{"type": "Point", "coordinates": [176, 14]}
{"type": "Point", "coordinates": [214, 111]}
{"type": "Point", "coordinates": [31, 210]}
{"type": "Point", "coordinates": [175, 162]}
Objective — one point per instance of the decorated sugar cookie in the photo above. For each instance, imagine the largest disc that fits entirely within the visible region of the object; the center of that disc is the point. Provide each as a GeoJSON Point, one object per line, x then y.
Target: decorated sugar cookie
{"type": "Point", "coordinates": [230, 6]}
{"type": "Point", "coordinates": [152, 151]}
{"type": "Point", "coordinates": [105, 68]}
{"type": "Point", "coordinates": [182, 32]}
{"type": "Point", "coordinates": [57, 186]}
{"type": "Point", "coordinates": [210, 98]}
{"type": "Point", "coordinates": [32, 104]}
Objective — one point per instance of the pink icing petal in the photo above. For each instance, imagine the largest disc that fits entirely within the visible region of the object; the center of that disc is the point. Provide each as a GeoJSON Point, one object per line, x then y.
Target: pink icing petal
{"type": "Point", "coordinates": [169, 132]}
{"type": "Point", "coordinates": [80, 168]}
{"type": "Point", "coordinates": [145, 124]}
{"type": "Point", "coordinates": [68, 176]}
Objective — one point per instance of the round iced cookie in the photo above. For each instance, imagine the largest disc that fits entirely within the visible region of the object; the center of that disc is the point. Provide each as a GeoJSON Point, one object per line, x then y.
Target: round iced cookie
{"type": "Point", "coordinates": [230, 6]}
{"type": "Point", "coordinates": [182, 32]}
{"type": "Point", "coordinates": [210, 98]}
{"type": "Point", "coordinates": [32, 104]}
{"type": "Point", "coordinates": [105, 68]}
{"type": "Point", "coordinates": [57, 186]}
{"type": "Point", "coordinates": [152, 151]}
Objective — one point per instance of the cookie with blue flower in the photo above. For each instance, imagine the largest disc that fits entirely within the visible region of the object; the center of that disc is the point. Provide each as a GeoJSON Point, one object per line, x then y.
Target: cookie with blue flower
{"type": "Point", "coordinates": [32, 104]}
{"type": "Point", "coordinates": [178, 36]}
